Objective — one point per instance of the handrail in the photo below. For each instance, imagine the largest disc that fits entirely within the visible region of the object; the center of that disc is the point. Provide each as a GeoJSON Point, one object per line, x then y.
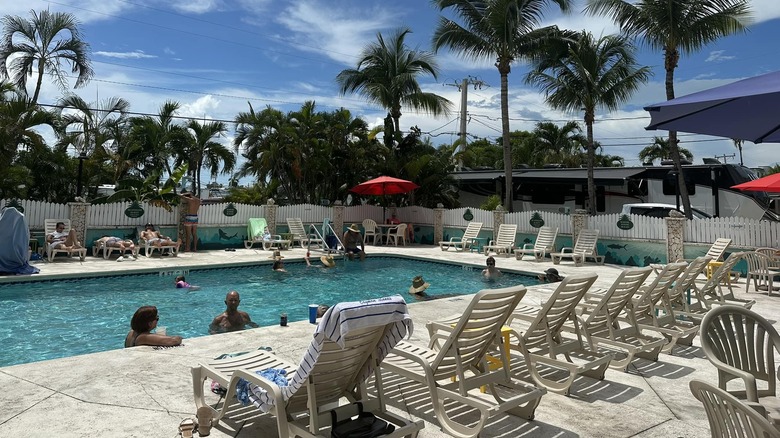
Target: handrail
{"type": "Point", "coordinates": [325, 247]}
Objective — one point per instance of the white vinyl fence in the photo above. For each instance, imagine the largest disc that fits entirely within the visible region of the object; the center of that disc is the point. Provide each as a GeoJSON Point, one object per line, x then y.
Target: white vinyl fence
{"type": "Point", "coordinates": [745, 233]}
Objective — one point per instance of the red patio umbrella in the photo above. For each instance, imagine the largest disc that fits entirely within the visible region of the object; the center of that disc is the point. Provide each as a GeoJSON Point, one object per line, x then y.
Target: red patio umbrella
{"type": "Point", "coordinates": [769, 183]}
{"type": "Point", "coordinates": [384, 185]}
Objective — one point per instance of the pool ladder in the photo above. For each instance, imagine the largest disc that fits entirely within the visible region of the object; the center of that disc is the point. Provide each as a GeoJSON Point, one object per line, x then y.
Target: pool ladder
{"type": "Point", "coordinates": [338, 250]}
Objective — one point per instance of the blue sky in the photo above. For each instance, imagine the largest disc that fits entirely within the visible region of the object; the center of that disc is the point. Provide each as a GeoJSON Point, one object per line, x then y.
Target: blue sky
{"type": "Point", "coordinates": [214, 56]}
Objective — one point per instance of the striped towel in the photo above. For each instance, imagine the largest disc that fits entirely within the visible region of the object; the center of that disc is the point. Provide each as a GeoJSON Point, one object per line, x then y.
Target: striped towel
{"type": "Point", "coordinates": [335, 325]}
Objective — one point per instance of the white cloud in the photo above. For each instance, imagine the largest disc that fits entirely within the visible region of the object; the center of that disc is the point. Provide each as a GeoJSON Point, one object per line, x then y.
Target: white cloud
{"type": "Point", "coordinates": [202, 107]}
{"type": "Point", "coordinates": [718, 56]}
{"type": "Point", "coordinates": [135, 54]}
{"type": "Point", "coordinates": [195, 6]}
{"type": "Point", "coordinates": [168, 51]}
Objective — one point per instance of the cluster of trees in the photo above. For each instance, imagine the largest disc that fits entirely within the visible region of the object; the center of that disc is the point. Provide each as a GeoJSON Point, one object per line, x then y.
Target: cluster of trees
{"type": "Point", "coordinates": [308, 155]}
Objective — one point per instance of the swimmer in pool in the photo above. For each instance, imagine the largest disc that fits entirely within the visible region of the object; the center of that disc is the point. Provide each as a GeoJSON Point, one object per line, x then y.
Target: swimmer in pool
{"type": "Point", "coordinates": [181, 283]}
{"type": "Point", "coordinates": [491, 272]}
{"type": "Point", "coordinates": [231, 319]}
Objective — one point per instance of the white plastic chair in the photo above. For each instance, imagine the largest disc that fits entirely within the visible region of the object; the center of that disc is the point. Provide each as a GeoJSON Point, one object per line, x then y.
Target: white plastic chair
{"type": "Point", "coordinates": [370, 231]}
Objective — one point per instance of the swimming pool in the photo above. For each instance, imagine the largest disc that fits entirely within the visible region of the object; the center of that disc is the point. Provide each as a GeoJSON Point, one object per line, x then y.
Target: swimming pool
{"type": "Point", "coordinates": [60, 318]}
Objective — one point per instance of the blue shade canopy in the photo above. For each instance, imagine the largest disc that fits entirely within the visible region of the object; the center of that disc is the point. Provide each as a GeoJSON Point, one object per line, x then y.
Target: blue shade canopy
{"type": "Point", "coordinates": [744, 110]}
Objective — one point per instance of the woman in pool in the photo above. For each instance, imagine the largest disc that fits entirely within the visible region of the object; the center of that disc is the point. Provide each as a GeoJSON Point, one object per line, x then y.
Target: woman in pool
{"type": "Point", "coordinates": [143, 322]}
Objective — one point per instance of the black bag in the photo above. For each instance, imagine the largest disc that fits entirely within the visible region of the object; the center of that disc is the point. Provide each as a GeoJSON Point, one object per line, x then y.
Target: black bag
{"type": "Point", "coordinates": [366, 425]}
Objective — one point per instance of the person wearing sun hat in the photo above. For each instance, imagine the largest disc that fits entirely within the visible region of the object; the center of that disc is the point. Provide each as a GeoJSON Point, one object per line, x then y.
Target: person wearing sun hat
{"type": "Point", "coordinates": [328, 261]}
{"type": "Point", "coordinates": [351, 240]}
{"type": "Point", "coordinates": [418, 286]}
{"type": "Point", "coordinates": [276, 255]}
{"type": "Point", "coordinates": [550, 276]}
{"type": "Point", "coordinates": [278, 263]}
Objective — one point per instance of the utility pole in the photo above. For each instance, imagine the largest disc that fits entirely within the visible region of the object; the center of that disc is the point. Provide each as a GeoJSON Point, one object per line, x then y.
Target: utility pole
{"type": "Point", "coordinates": [725, 156]}
{"type": "Point", "coordinates": [463, 88]}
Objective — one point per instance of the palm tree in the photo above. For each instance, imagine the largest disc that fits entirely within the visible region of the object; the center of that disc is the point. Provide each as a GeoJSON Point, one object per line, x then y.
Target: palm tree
{"type": "Point", "coordinates": [591, 74]}
{"type": "Point", "coordinates": [199, 150]}
{"type": "Point", "coordinates": [42, 44]}
{"type": "Point", "coordinates": [673, 26]}
{"type": "Point", "coordinates": [738, 145]}
{"type": "Point", "coordinates": [500, 31]}
{"type": "Point", "coordinates": [661, 150]}
{"type": "Point", "coordinates": [152, 139]}
{"type": "Point", "coordinates": [387, 75]}
{"type": "Point", "coordinates": [558, 144]}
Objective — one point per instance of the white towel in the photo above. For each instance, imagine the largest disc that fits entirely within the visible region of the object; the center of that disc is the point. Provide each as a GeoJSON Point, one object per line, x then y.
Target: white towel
{"type": "Point", "coordinates": [335, 325]}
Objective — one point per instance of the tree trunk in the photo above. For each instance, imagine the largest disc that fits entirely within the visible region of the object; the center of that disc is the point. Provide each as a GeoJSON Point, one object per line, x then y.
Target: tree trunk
{"type": "Point", "coordinates": [505, 137]}
{"type": "Point", "coordinates": [670, 62]}
{"type": "Point", "coordinates": [41, 66]}
{"type": "Point", "coordinates": [591, 165]}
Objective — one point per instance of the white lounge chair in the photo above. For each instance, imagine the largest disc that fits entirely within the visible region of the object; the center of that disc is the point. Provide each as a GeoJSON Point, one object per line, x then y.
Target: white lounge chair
{"type": "Point", "coordinates": [652, 311]}
{"type": "Point", "coordinates": [601, 323]}
{"type": "Point", "coordinates": [711, 294]}
{"type": "Point", "coordinates": [682, 292]}
{"type": "Point", "coordinates": [149, 247]}
{"type": "Point", "coordinates": [743, 345]}
{"type": "Point", "coordinates": [454, 365]}
{"type": "Point", "coordinates": [349, 342]}
{"type": "Point", "coordinates": [50, 226]}
{"type": "Point", "coordinates": [255, 227]}
{"type": "Point", "coordinates": [543, 345]}
{"type": "Point", "coordinates": [466, 241]}
{"type": "Point", "coordinates": [504, 242]}
{"type": "Point", "coordinates": [544, 244]}
{"type": "Point", "coordinates": [730, 417]}
{"type": "Point", "coordinates": [99, 246]}
{"type": "Point", "coordinates": [718, 248]}
{"type": "Point", "coordinates": [584, 248]}
{"type": "Point", "coordinates": [299, 234]}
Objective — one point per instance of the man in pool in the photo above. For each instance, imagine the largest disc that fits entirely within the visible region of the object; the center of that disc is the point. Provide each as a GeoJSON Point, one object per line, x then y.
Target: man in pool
{"type": "Point", "coordinates": [231, 319]}
{"type": "Point", "coordinates": [351, 240]}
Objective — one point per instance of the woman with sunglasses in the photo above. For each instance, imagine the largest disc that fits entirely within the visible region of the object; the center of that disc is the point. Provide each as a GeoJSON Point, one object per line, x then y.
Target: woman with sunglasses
{"type": "Point", "coordinates": [143, 322]}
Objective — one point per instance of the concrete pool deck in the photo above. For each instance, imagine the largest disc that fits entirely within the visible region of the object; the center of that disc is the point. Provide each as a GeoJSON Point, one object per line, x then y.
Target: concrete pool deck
{"type": "Point", "coordinates": [143, 392]}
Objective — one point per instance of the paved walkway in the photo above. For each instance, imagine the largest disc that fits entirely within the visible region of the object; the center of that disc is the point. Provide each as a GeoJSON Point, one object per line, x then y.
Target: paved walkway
{"type": "Point", "coordinates": [143, 392]}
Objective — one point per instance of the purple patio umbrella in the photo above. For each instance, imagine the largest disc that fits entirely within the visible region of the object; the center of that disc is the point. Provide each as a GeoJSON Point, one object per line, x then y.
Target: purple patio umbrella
{"type": "Point", "coordinates": [744, 110]}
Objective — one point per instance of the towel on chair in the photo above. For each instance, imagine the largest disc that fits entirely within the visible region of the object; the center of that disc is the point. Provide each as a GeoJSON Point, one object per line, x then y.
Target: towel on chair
{"type": "Point", "coordinates": [335, 325]}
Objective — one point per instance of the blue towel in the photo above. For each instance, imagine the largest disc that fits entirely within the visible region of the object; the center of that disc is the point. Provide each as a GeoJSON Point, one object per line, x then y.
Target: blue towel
{"type": "Point", "coordinates": [14, 244]}
{"type": "Point", "coordinates": [276, 375]}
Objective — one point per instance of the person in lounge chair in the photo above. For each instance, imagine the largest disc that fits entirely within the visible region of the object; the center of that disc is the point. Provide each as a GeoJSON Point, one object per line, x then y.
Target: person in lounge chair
{"type": "Point", "coordinates": [59, 239]}
{"type": "Point", "coordinates": [491, 272]}
{"type": "Point", "coordinates": [351, 240]}
{"type": "Point", "coordinates": [155, 237]}
{"type": "Point", "coordinates": [231, 319]}
{"type": "Point", "coordinates": [143, 322]}
{"type": "Point", "coordinates": [118, 242]}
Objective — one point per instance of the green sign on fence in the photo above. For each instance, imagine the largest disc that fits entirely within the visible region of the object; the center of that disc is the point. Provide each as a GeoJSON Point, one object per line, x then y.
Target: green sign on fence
{"type": "Point", "coordinates": [230, 210]}
{"type": "Point", "coordinates": [624, 223]}
{"type": "Point", "coordinates": [536, 220]}
{"type": "Point", "coordinates": [134, 210]}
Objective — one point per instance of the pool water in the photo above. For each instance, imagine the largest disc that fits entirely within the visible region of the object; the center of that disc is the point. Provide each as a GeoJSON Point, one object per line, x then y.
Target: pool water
{"type": "Point", "coordinates": [61, 318]}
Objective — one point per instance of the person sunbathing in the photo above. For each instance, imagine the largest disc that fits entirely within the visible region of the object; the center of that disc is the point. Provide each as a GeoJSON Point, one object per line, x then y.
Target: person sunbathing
{"type": "Point", "coordinates": [118, 242]}
{"type": "Point", "coordinates": [155, 238]}
{"type": "Point", "coordinates": [143, 322]}
{"type": "Point", "coordinates": [59, 239]}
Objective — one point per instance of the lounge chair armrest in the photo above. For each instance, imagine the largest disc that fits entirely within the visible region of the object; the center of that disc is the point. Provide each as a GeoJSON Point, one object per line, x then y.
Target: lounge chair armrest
{"type": "Point", "coordinates": [528, 246]}
{"type": "Point", "coordinates": [456, 239]}
{"type": "Point", "coordinates": [566, 249]}
{"type": "Point", "coordinates": [268, 386]}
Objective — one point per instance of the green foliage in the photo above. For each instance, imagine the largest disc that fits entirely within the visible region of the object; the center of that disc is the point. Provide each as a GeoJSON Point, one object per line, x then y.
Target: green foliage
{"type": "Point", "coordinates": [148, 190]}
{"type": "Point", "coordinates": [491, 203]}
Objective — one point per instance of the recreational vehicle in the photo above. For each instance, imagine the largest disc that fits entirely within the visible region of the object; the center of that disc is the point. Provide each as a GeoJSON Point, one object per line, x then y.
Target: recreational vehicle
{"type": "Point", "coordinates": [564, 190]}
